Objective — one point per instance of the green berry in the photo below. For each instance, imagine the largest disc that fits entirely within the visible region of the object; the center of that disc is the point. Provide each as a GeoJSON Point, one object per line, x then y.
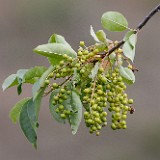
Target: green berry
{"type": "Point", "coordinates": [65, 56]}
{"type": "Point", "coordinates": [61, 107]}
{"type": "Point", "coordinates": [99, 92]}
{"type": "Point", "coordinates": [80, 53]}
{"type": "Point", "coordinates": [124, 102]}
{"type": "Point", "coordinates": [124, 126]}
{"type": "Point", "coordinates": [61, 63]}
{"type": "Point", "coordinates": [113, 126]}
{"type": "Point", "coordinates": [67, 112]}
{"type": "Point", "coordinates": [123, 122]}
{"type": "Point", "coordinates": [87, 90]}
{"type": "Point", "coordinates": [54, 85]}
{"type": "Point", "coordinates": [56, 98]}
{"type": "Point", "coordinates": [82, 43]}
{"type": "Point", "coordinates": [97, 133]}
{"type": "Point", "coordinates": [58, 75]}
{"type": "Point", "coordinates": [104, 114]}
{"type": "Point", "coordinates": [68, 92]}
{"type": "Point", "coordinates": [99, 127]}
{"type": "Point", "coordinates": [57, 110]}
{"type": "Point", "coordinates": [96, 51]}
{"type": "Point", "coordinates": [124, 116]}
{"type": "Point", "coordinates": [46, 81]}
{"type": "Point", "coordinates": [63, 116]}
{"type": "Point", "coordinates": [53, 102]}
{"type": "Point", "coordinates": [62, 90]}
{"type": "Point", "coordinates": [130, 101]}
{"type": "Point", "coordinates": [51, 75]}
{"type": "Point", "coordinates": [101, 69]}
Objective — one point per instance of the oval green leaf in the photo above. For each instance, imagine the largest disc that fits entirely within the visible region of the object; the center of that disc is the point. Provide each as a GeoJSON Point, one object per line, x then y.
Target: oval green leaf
{"type": "Point", "coordinates": [33, 73]}
{"type": "Point", "coordinates": [127, 74]}
{"type": "Point", "coordinates": [114, 21]}
{"type": "Point", "coordinates": [76, 116]}
{"type": "Point", "coordinates": [129, 50]}
{"type": "Point", "coordinates": [55, 52]}
{"type": "Point", "coordinates": [37, 98]}
{"type": "Point", "coordinates": [15, 111]}
{"type": "Point", "coordinates": [133, 40]}
{"type": "Point", "coordinates": [9, 82]}
{"type": "Point", "coordinates": [101, 35]}
{"type": "Point", "coordinates": [52, 49]}
{"type": "Point", "coordinates": [26, 125]}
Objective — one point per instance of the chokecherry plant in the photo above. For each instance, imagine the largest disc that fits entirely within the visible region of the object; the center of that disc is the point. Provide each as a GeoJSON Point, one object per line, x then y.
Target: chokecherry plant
{"type": "Point", "coordinates": [92, 80]}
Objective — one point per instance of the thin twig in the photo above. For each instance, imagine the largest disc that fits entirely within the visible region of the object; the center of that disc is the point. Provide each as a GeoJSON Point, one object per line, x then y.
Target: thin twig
{"type": "Point", "coordinates": [148, 17]}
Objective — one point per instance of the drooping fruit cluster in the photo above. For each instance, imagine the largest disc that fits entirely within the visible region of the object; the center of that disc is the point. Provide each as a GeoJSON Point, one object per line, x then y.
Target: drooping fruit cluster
{"type": "Point", "coordinates": [59, 100]}
{"type": "Point", "coordinates": [95, 97]}
{"type": "Point", "coordinates": [118, 99]}
{"type": "Point", "coordinates": [96, 91]}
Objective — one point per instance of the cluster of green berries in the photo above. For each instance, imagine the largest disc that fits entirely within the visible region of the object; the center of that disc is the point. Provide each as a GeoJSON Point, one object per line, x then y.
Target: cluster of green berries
{"type": "Point", "coordinates": [95, 96]}
{"type": "Point", "coordinates": [65, 68]}
{"type": "Point", "coordinates": [58, 100]}
{"type": "Point", "coordinates": [106, 88]}
{"type": "Point", "coordinates": [118, 100]}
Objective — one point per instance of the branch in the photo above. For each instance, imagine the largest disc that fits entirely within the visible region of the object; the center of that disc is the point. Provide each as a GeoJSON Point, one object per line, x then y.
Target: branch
{"type": "Point", "coordinates": [139, 27]}
{"type": "Point", "coordinates": [148, 17]}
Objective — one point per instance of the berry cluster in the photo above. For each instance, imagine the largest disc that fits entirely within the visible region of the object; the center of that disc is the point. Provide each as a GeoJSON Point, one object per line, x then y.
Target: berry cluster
{"type": "Point", "coordinates": [95, 97]}
{"type": "Point", "coordinates": [59, 99]}
{"type": "Point", "coordinates": [118, 99]}
{"type": "Point", "coordinates": [106, 87]}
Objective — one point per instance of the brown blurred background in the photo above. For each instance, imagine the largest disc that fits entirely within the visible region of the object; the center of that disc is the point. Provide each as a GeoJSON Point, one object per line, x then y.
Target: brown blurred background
{"type": "Point", "coordinates": [24, 24]}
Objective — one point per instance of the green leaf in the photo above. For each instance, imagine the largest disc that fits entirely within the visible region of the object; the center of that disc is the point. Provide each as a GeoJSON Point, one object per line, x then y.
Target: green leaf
{"type": "Point", "coordinates": [101, 36]}
{"type": "Point", "coordinates": [36, 86]}
{"type": "Point", "coordinates": [114, 21]}
{"type": "Point", "coordinates": [15, 111]}
{"type": "Point", "coordinates": [55, 61]}
{"type": "Point", "coordinates": [55, 52]}
{"type": "Point", "coordinates": [31, 109]}
{"type": "Point", "coordinates": [26, 125]}
{"type": "Point", "coordinates": [93, 34]}
{"type": "Point", "coordinates": [41, 82]}
{"type": "Point", "coordinates": [10, 81]}
{"type": "Point", "coordinates": [37, 100]}
{"type": "Point", "coordinates": [21, 73]}
{"type": "Point", "coordinates": [127, 75]}
{"type": "Point", "coordinates": [73, 103]}
{"type": "Point", "coordinates": [94, 71]}
{"type": "Point", "coordinates": [53, 108]}
{"type": "Point", "coordinates": [55, 38]}
{"type": "Point", "coordinates": [52, 49]}
{"type": "Point", "coordinates": [33, 74]}
{"type": "Point", "coordinates": [127, 35]}
{"type": "Point", "coordinates": [133, 40]}
{"type": "Point", "coordinates": [130, 45]}
{"type": "Point", "coordinates": [129, 50]}
{"type": "Point", "coordinates": [76, 115]}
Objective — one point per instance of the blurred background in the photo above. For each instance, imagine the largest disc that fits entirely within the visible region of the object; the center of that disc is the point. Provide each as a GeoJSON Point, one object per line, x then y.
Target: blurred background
{"type": "Point", "coordinates": [24, 24]}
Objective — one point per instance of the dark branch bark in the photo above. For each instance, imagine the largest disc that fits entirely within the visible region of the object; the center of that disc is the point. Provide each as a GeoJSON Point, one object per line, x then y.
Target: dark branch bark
{"type": "Point", "coordinates": [139, 27]}
{"type": "Point", "coordinates": [148, 17]}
